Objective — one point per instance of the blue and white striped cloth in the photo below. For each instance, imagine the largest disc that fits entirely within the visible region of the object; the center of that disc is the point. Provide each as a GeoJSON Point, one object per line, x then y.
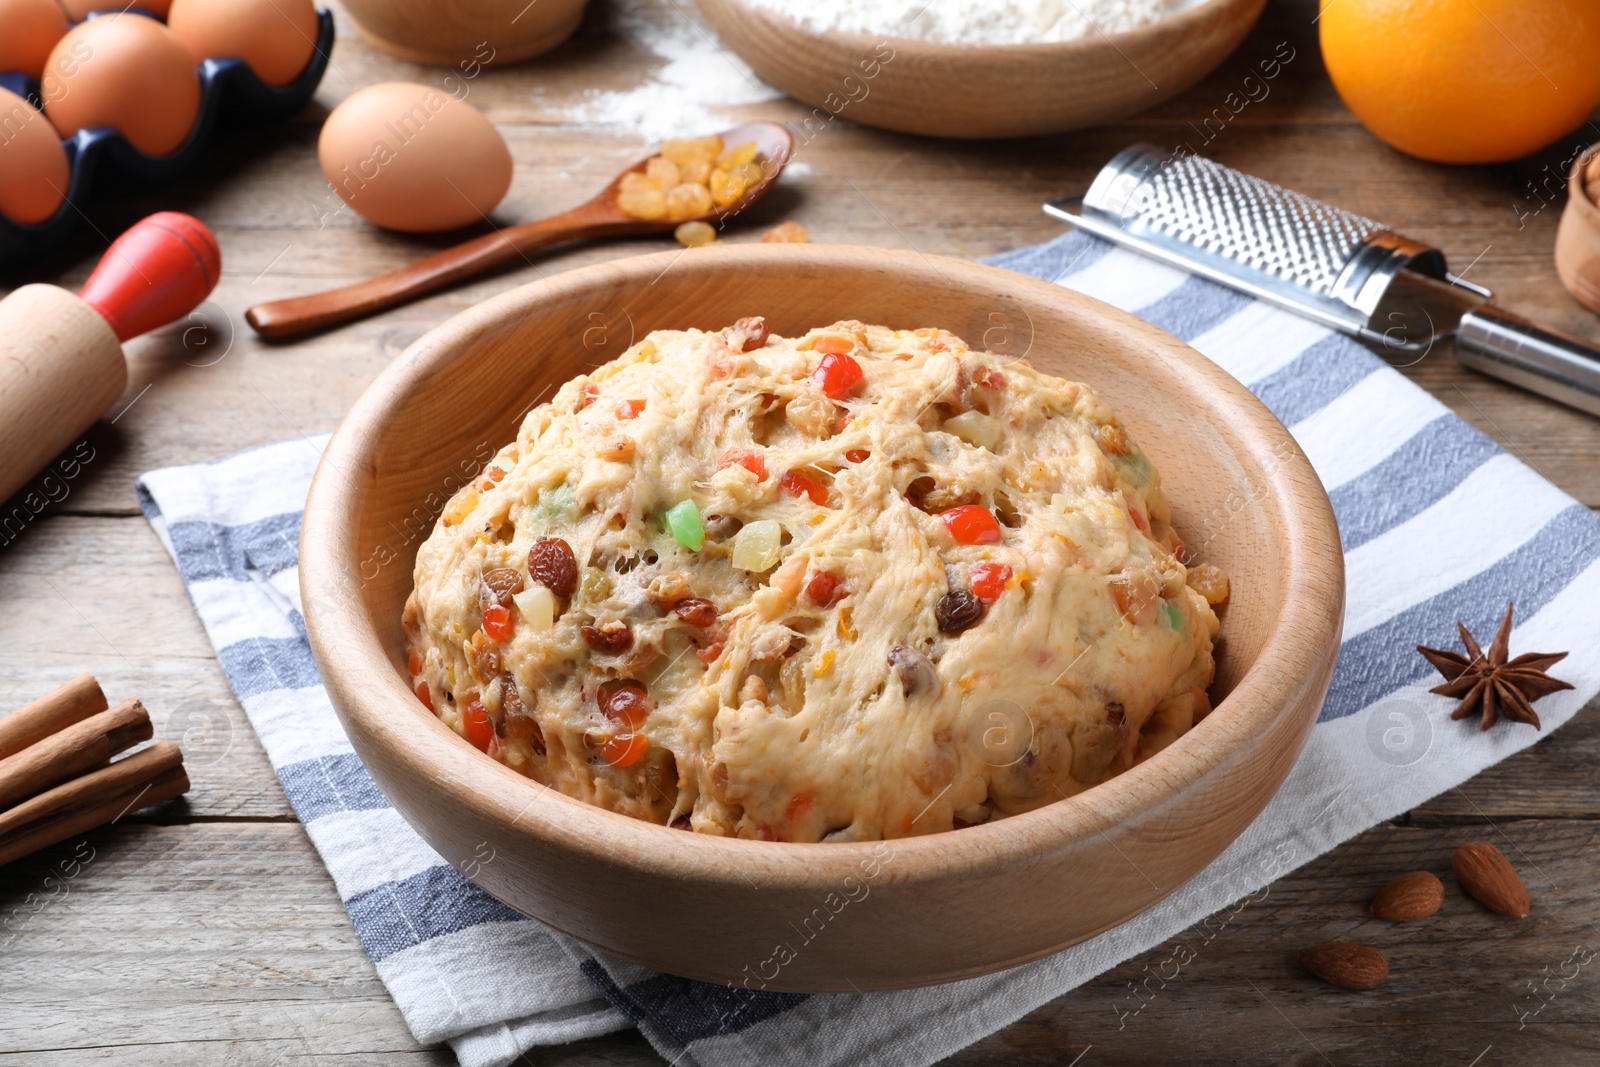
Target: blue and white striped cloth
{"type": "Point", "coordinates": [1438, 524]}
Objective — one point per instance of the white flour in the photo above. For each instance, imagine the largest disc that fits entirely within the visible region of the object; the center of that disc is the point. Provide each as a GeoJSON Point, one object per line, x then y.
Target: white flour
{"type": "Point", "coordinates": [978, 21]}
{"type": "Point", "coordinates": [684, 95]}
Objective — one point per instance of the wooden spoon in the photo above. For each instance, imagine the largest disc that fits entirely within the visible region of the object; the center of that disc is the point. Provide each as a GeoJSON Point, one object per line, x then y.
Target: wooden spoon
{"type": "Point", "coordinates": [600, 217]}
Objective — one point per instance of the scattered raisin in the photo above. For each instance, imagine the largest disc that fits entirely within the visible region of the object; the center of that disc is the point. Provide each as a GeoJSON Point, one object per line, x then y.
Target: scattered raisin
{"type": "Point", "coordinates": [747, 334]}
{"type": "Point", "coordinates": [611, 639]}
{"type": "Point", "coordinates": [696, 611]}
{"type": "Point", "coordinates": [1112, 439]}
{"type": "Point", "coordinates": [503, 583]}
{"type": "Point", "coordinates": [1115, 715]}
{"type": "Point", "coordinates": [551, 564]}
{"type": "Point", "coordinates": [625, 701]}
{"type": "Point", "coordinates": [915, 670]}
{"type": "Point", "coordinates": [682, 822]}
{"type": "Point", "coordinates": [520, 725]}
{"type": "Point", "coordinates": [958, 610]}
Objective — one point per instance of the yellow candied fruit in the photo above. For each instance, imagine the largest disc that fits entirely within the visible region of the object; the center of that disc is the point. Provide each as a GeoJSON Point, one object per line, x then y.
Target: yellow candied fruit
{"type": "Point", "coordinates": [685, 201]}
{"type": "Point", "coordinates": [651, 204]}
{"type": "Point", "coordinates": [695, 234]}
{"type": "Point", "coordinates": [688, 149]}
{"type": "Point", "coordinates": [786, 233]}
{"type": "Point", "coordinates": [824, 665]}
{"type": "Point", "coordinates": [726, 188]}
{"type": "Point", "coordinates": [737, 156]}
{"type": "Point", "coordinates": [664, 171]}
{"type": "Point", "coordinates": [639, 183]}
{"type": "Point", "coordinates": [460, 507]}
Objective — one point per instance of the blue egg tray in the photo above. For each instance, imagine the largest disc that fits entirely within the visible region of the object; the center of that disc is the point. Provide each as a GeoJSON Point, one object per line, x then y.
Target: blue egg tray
{"type": "Point", "coordinates": [226, 85]}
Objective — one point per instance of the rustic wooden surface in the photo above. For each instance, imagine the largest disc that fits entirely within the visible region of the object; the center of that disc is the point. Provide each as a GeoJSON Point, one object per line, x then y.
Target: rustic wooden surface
{"type": "Point", "coordinates": [209, 933]}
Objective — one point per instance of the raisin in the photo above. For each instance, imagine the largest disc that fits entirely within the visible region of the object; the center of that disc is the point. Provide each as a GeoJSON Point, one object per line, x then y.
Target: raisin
{"type": "Point", "coordinates": [915, 670]}
{"type": "Point", "coordinates": [682, 822]}
{"type": "Point", "coordinates": [625, 701]}
{"type": "Point", "coordinates": [551, 564]}
{"type": "Point", "coordinates": [502, 584]}
{"type": "Point", "coordinates": [958, 610]}
{"type": "Point", "coordinates": [696, 611]}
{"type": "Point", "coordinates": [747, 334]}
{"type": "Point", "coordinates": [520, 725]}
{"type": "Point", "coordinates": [611, 639]}
{"type": "Point", "coordinates": [1115, 715]}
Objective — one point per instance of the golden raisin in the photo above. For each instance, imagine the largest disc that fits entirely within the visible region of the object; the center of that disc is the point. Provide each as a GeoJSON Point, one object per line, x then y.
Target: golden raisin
{"type": "Point", "coordinates": [640, 183]}
{"type": "Point", "coordinates": [726, 188]}
{"type": "Point", "coordinates": [687, 200]}
{"type": "Point", "coordinates": [738, 155]}
{"type": "Point", "coordinates": [786, 233]}
{"type": "Point", "coordinates": [750, 173]}
{"type": "Point", "coordinates": [663, 170]}
{"type": "Point", "coordinates": [696, 611]}
{"type": "Point", "coordinates": [649, 205]}
{"type": "Point", "coordinates": [683, 150]}
{"type": "Point", "coordinates": [618, 449]}
{"type": "Point", "coordinates": [1210, 581]}
{"type": "Point", "coordinates": [1113, 439]}
{"type": "Point", "coordinates": [695, 234]}
{"type": "Point", "coordinates": [695, 172]}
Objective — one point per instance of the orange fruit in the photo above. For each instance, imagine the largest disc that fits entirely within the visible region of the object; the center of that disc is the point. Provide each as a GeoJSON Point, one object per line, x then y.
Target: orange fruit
{"type": "Point", "coordinates": [1465, 81]}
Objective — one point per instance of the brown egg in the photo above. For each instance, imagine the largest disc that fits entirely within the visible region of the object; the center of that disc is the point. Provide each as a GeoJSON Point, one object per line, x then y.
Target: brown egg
{"type": "Point", "coordinates": [33, 164]}
{"type": "Point", "coordinates": [127, 72]}
{"type": "Point", "coordinates": [410, 157]}
{"type": "Point", "coordinates": [80, 9]}
{"type": "Point", "coordinates": [276, 37]}
{"type": "Point", "coordinates": [32, 28]}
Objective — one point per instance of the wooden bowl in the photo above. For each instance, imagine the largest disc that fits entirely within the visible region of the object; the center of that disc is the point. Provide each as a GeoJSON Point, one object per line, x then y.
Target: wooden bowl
{"type": "Point", "coordinates": [1578, 236]}
{"type": "Point", "coordinates": [982, 91]}
{"type": "Point", "coordinates": [465, 33]}
{"type": "Point", "coordinates": [863, 915]}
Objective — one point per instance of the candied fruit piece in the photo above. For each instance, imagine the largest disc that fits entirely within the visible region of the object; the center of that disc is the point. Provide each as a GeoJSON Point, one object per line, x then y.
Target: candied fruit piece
{"type": "Point", "coordinates": [757, 546]}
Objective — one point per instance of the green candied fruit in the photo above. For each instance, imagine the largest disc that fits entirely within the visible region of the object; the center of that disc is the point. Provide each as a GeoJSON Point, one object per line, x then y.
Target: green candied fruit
{"type": "Point", "coordinates": [683, 522]}
{"type": "Point", "coordinates": [556, 504]}
{"type": "Point", "coordinates": [1172, 616]}
{"type": "Point", "coordinates": [1138, 466]}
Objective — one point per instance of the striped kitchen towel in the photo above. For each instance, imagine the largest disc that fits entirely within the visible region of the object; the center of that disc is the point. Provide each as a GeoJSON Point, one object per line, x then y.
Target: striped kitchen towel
{"type": "Point", "coordinates": [1438, 524]}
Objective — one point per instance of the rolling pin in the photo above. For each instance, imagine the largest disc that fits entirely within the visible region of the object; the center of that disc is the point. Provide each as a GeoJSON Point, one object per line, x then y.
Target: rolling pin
{"type": "Point", "coordinates": [61, 361]}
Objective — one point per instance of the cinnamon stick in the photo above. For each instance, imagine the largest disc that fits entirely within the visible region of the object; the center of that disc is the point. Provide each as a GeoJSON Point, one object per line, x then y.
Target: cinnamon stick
{"type": "Point", "coordinates": [94, 800]}
{"type": "Point", "coordinates": [89, 791]}
{"type": "Point", "coordinates": [71, 751]}
{"type": "Point", "coordinates": [55, 711]}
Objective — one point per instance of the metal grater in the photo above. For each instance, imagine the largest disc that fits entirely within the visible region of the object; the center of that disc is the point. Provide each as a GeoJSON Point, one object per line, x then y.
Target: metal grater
{"type": "Point", "coordinates": [1348, 272]}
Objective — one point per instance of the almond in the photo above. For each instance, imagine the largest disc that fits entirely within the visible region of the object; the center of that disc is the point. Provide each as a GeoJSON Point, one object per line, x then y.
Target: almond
{"type": "Point", "coordinates": [1350, 966]}
{"type": "Point", "coordinates": [1488, 877]}
{"type": "Point", "coordinates": [1411, 896]}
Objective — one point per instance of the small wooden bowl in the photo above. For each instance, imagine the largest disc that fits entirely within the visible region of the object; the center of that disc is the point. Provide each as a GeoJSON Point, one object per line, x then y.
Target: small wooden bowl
{"type": "Point", "coordinates": [865, 916]}
{"type": "Point", "coordinates": [1578, 236]}
{"type": "Point", "coordinates": [982, 91]}
{"type": "Point", "coordinates": [464, 33]}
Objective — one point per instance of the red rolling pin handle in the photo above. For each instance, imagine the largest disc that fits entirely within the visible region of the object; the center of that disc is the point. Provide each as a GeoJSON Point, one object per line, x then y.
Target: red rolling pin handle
{"type": "Point", "coordinates": [161, 269]}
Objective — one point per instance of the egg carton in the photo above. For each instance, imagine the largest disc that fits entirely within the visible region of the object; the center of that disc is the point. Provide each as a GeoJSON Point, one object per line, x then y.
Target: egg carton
{"type": "Point", "coordinates": [225, 84]}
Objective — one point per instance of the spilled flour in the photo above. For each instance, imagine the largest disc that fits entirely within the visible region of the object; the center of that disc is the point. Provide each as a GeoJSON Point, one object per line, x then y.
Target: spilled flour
{"type": "Point", "coordinates": [685, 95]}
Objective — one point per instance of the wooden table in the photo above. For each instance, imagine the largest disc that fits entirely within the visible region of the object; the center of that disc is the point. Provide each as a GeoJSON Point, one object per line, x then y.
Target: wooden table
{"type": "Point", "coordinates": [209, 932]}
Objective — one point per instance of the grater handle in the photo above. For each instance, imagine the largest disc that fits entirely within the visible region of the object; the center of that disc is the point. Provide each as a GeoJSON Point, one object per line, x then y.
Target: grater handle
{"type": "Point", "coordinates": [1548, 362]}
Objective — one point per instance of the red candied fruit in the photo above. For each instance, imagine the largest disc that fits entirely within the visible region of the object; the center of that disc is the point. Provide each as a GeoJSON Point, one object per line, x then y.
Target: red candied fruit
{"type": "Point", "coordinates": [629, 409]}
{"type": "Point", "coordinates": [413, 661]}
{"type": "Point", "coordinates": [476, 725]}
{"type": "Point", "coordinates": [972, 524]}
{"type": "Point", "coordinates": [837, 374]}
{"type": "Point", "coordinates": [497, 622]}
{"type": "Point", "coordinates": [797, 484]}
{"type": "Point", "coordinates": [989, 580]}
{"type": "Point", "coordinates": [751, 459]}
{"type": "Point", "coordinates": [1139, 520]}
{"type": "Point", "coordinates": [591, 393]}
{"type": "Point", "coordinates": [823, 589]}
{"type": "Point", "coordinates": [425, 696]}
{"type": "Point", "coordinates": [799, 804]}
{"type": "Point", "coordinates": [857, 455]}
{"type": "Point", "coordinates": [625, 701]}
{"type": "Point", "coordinates": [624, 750]}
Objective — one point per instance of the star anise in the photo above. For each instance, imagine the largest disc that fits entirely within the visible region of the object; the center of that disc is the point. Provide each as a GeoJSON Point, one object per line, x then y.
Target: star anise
{"type": "Point", "coordinates": [1489, 684]}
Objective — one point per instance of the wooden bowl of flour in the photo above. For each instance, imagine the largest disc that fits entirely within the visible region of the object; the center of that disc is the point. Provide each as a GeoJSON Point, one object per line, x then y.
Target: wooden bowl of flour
{"type": "Point", "coordinates": [981, 91]}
